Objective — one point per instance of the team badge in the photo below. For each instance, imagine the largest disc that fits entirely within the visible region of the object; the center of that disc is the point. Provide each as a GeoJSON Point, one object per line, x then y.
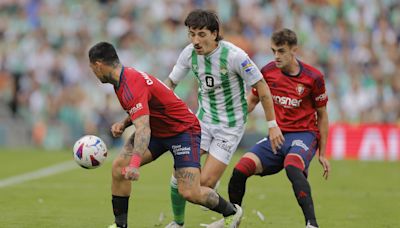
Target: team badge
{"type": "Point", "coordinates": [300, 89]}
{"type": "Point", "coordinates": [224, 71]}
{"type": "Point", "coordinates": [247, 66]}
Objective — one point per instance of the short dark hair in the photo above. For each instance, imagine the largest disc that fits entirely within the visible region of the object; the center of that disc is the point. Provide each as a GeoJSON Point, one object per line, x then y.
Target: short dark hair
{"type": "Point", "coordinates": [103, 52]}
{"type": "Point", "coordinates": [198, 19]}
{"type": "Point", "coordinates": [284, 36]}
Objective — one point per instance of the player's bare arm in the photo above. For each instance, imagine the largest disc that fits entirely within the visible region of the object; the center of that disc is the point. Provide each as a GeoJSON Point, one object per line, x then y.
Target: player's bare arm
{"type": "Point", "coordinates": [168, 82]}
{"type": "Point", "coordinates": [252, 101]}
{"type": "Point", "coordinates": [142, 134]}
{"type": "Point", "coordinates": [265, 97]}
{"type": "Point", "coordinates": [323, 125]}
{"type": "Point", "coordinates": [118, 128]}
{"type": "Point", "coordinates": [140, 145]}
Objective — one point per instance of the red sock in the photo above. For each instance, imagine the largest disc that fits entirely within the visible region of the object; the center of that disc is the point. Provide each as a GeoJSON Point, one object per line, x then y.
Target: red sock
{"type": "Point", "coordinates": [247, 166]}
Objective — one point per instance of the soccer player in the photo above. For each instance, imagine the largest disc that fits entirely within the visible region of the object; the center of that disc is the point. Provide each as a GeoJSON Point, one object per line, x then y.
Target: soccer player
{"type": "Point", "coordinates": [163, 122]}
{"type": "Point", "coordinates": [223, 71]}
{"type": "Point", "coordinates": [300, 99]}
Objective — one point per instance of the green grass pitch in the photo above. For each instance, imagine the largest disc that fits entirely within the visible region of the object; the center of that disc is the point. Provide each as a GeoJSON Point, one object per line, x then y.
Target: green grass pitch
{"type": "Point", "coordinates": [358, 194]}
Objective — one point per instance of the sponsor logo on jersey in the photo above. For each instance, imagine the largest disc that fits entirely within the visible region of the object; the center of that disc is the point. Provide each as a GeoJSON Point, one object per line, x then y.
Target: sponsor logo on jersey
{"type": "Point", "coordinates": [300, 89]}
{"type": "Point", "coordinates": [247, 66]}
{"type": "Point", "coordinates": [135, 108]}
{"type": "Point", "coordinates": [321, 97]}
{"type": "Point", "coordinates": [180, 150]}
{"type": "Point", "coordinates": [287, 101]}
{"type": "Point", "coordinates": [147, 78]}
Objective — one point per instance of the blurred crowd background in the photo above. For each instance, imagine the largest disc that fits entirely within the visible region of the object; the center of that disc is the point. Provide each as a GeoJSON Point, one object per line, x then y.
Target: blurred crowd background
{"type": "Point", "coordinates": [49, 97]}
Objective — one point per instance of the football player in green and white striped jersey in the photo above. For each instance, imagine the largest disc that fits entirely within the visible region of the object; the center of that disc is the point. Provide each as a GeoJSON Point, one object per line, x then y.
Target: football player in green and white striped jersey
{"type": "Point", "coordinates": [223, 70]}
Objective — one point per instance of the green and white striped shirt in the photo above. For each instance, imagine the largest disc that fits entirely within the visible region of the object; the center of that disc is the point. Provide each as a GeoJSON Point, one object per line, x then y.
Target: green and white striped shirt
{"type": "Point", "coordinates": [222, 75]}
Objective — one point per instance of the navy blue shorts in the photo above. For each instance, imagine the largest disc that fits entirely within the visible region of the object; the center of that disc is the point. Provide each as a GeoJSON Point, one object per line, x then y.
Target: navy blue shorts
{"type": "Point", "coordinates": [185, 148]}
{"type": "Point", "coordinates": [302, 143]}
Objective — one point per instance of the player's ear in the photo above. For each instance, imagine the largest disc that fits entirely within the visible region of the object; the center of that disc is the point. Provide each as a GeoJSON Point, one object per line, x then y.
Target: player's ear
{"type": "Point", "coordinates": [214, 34]}
{"type": "Point", "coordinates": [293, 49]}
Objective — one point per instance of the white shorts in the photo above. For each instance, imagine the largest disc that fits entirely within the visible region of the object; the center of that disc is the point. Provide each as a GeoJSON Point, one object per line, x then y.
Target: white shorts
{"type": "Point", "coordinates": [220, 141]}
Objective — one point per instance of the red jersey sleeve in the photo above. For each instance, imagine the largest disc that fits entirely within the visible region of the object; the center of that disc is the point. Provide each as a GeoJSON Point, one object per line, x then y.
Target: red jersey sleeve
{"type": "Point", "coordinates": [139, 105]}
{"type": "Point", "coordinates": [318, 93]}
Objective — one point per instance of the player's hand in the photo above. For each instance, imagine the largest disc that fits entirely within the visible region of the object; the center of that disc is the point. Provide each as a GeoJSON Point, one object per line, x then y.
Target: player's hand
{"type": "Point", "coordinates": [130, 173]}
{"type": "Point", "coordinates": [325, 164]}
{"type": "Point", "coordinates": [117, 129]}
{"type": "Point", "coordinates": [276, 138]}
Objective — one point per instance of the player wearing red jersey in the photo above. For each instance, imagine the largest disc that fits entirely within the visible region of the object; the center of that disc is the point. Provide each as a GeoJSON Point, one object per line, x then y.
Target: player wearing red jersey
{"type": "Point", "coordinates": [163, 123]}
{"type": "Point", "coordinates": [300, 100]}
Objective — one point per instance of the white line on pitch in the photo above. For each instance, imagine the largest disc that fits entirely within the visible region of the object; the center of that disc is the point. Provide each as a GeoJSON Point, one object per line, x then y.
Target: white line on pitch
{"type": "Point", "coordinates": [51, 170]}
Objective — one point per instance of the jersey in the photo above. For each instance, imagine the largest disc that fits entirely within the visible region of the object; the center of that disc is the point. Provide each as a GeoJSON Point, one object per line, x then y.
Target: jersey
{"type": "Point", "coordinates": [296, 97]}
{"type": "Point", "coordinates": [142, 94]}
{"type": "Point", "coordinates": [222, 77]}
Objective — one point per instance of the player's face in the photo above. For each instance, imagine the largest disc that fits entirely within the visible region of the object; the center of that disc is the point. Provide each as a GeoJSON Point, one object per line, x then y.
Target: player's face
{"type": "Point", "coordinates": [97, 70]}
{"type": "Point", "coordinates": [203, 40]}
{"type": "Point", "coordinates": [284, 55]}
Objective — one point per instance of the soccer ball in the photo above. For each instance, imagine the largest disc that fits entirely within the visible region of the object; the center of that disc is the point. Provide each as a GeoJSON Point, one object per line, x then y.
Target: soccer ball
{"type": "Point", "coordinates": [90, 151]}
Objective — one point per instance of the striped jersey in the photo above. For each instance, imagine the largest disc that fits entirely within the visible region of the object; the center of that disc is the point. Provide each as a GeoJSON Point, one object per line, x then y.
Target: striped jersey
{"type": "Point", "coordinates": [222, 76]}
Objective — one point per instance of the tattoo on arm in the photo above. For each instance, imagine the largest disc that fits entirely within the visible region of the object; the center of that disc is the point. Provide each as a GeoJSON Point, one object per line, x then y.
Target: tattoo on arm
{"type": "Point", "coordinates": [127, 150]}
{"type": "Point", "coordinates": [142, 134]}
{"type": "Point", "coordinates": [139, 141]}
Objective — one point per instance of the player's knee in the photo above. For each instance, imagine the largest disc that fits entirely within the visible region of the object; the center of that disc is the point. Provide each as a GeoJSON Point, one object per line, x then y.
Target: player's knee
{"type": "Point", "coordinates": [208, 181]}
{"type": "Point", "coordinates": [294, 160]}
{"type": "Point", "coordinates": [190, 195]}
{"type": "Point", "coordinates": [246, 166]}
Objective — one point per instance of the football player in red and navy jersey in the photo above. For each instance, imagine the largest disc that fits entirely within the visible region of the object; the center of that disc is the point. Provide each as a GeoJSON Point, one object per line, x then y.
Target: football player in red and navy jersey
{"type": "Point", "coordinates": [300, 99]}
{"type": "Point", "coordinates": [163, 123]}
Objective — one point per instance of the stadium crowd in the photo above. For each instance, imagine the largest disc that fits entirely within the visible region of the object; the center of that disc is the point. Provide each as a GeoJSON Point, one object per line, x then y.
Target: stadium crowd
{"type": "Point", "coordinates": [47, 90]}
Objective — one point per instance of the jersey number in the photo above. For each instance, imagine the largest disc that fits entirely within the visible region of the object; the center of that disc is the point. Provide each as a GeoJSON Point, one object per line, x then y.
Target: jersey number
{"type": "Point", "coordinates": [209, 81]}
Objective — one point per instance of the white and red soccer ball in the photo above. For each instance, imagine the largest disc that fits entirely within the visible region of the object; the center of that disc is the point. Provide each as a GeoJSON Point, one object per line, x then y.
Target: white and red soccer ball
{"type": "Point", "coordinates": [90, 151]}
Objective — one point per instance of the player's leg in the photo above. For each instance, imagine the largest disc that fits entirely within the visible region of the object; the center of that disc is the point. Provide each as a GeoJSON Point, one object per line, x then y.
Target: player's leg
{"type": "Point", "coordinates": [260, 160]}
{"type": "Point", "coordinates": [186, 151]}
{"type": "Point", "coordinates": [248, 165]}
{"type": "Point", "coordinates": [178, 203]}
{"type": "Point", "coordinates": [296, 164]}
{"type": "Point", "coordinates": [190, 188]}
{"type": "Point", "coordinates": [211, 171]}
{"type": "Point", "coordinates": [120, 187]}
{"type": "Point", "coordinates": [220, 151]}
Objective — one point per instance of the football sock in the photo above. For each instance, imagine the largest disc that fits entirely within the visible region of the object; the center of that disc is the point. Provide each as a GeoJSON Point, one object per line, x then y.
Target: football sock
{"type": "Point", "coordinates": [178, 202]}
{"type": "Point", "coordinates": [225, 208]}
{"type": "Point", "coordinates": [302, 191]}
{"type": "Point", "coordinates": [120, 208]}
{"type": "Point", "coordinates": [237, 184]}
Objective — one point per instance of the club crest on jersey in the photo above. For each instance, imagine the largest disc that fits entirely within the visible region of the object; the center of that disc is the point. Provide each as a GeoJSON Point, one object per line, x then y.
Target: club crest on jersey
{"type": "Point", "coordinates": [247, 66]}
{"type": "Point", "coordinates": [224, 71]}
{"type": "Point", "coordinates": [300, 89]}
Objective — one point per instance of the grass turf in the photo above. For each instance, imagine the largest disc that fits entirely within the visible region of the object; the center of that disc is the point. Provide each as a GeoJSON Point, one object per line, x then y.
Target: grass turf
{"type": "Point", "coordinates": [358, 194]}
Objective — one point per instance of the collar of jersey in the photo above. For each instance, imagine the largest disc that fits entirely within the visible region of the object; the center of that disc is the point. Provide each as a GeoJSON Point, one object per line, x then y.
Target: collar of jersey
{"type": "Point", "coordinates": [120, 76]}
{"type": "Point", "coordinates": [213, 51]}
{"type": "Point", "coordinates": [298, 74]}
